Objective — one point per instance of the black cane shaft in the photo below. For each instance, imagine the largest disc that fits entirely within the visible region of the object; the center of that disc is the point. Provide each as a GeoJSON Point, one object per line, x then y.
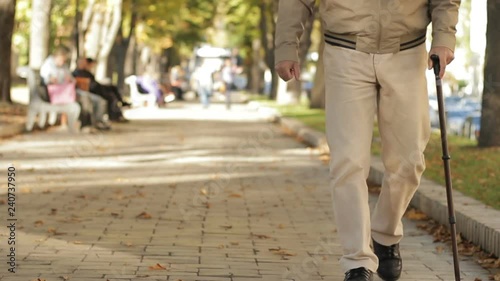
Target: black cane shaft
{"type": "Point", "coordinates": [447, 170]}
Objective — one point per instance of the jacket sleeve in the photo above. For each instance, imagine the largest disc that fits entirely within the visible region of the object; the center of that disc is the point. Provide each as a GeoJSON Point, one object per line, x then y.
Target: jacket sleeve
{"type": "Point", "coordinates": [292, 15]}
{"type": "Point", "coordinates": [444, 16]}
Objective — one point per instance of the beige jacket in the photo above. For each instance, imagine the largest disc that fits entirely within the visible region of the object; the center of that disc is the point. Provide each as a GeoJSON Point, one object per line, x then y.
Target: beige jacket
{"type": "Point", "coordinates": [371, 26]}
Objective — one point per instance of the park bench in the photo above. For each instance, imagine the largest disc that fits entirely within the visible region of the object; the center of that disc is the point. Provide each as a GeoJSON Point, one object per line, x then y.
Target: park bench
{"type": "Point", "coordinates": [136, 97]}
{"type": "Point", "coordinates": [40, 106]}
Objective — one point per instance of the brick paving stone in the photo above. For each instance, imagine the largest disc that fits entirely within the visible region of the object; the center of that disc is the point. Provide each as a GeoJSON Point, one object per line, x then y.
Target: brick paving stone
{"type": "Point", "coordinates": [223, 201]}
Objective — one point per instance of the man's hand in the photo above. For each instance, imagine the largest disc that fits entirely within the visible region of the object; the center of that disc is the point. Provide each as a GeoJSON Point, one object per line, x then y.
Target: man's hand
{"type": "Point", "coordinates": [445, 57]}
{"type": "Point", "coordinates": [288, 69]}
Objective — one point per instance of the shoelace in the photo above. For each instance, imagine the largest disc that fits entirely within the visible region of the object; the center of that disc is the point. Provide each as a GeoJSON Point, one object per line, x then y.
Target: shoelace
{"type": "Point", "coordinates": [393, 251]}
{"type": "Point", "coordinates": [390, 252]}
{"type": "Point", "coordinates": [358, 272]}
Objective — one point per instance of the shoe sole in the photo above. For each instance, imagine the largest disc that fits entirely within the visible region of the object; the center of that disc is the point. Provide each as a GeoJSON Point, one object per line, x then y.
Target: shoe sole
{"type": "Point", "coordinates": [388, 279]}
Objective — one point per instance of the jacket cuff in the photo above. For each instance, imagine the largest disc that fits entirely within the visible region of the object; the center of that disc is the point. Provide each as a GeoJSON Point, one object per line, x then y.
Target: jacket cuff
{"type": "Point", "coordinates": [285, 52]}
{"type": "Point", "coordinates": [444, 40]}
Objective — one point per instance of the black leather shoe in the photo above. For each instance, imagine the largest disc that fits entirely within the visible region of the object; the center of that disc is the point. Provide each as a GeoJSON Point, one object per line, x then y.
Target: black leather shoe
{"type": "Point", "coordinates": [358, 274]}
{"type": "Point", "coordinates": [390, 263]}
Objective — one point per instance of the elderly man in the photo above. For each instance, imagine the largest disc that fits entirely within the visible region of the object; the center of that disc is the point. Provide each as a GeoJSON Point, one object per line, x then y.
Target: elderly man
{"type": "Point", "coordinates": [375, 61]}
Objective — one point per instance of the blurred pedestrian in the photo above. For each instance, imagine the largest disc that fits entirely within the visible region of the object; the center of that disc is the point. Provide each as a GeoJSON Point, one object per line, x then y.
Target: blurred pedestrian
{"type": "Point", "coordinates": [204, 83]}
{"type": "Point", "coordinates": [176, 81]}
{"type": "Point", "coordinates": [227, 73]}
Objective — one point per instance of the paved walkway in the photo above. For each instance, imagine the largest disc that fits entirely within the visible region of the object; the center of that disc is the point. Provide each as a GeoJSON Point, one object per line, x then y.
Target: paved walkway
{"type": "Point", "coordinates": [192, 195]}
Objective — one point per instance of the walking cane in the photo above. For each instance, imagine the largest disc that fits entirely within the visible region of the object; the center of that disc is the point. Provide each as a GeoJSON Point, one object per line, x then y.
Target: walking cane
{"type": "Point", "coordinates": [446, 160]}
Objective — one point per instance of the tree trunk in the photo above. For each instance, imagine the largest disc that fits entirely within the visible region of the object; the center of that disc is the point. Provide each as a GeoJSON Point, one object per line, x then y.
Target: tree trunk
{"type": "Point", "coordinates": [39, 32]}
{"type": "Point", "coordinates": [318, 90]}
{"type": "Point", "coordinates": [256, 71]}
{"type": "Point", "coordinates": [7, 17]}
{"type": "Point", "coordinates": [267, 26]}
{"type": "Point", "coordinates": [112, 23]}
{"type": "Point", "coordinates": [122, 45]}
{"type": "Point", "coordinates": [490, 118]}
{"type": "Point", "coordinates": [101, 23]}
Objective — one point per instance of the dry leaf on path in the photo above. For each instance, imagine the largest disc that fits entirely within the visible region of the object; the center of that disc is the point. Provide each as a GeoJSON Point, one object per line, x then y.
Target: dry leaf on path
{"type": "Point", "coordinates": [261, 236]}
{"type": "Point", "coordinates": [235, 195]}
{"type": "Point", "coordinates": [53, 231]}
{"type": "Point", "coordinates": [495, 277]}
{"type": "Point", "coordinates": [439, 249]}
{"type": "Point", "coordinates": [281, 252]}
{"type": "Point", "coordinates": [144, 215]}
{"type": "Point", "coordinates": [38, 223]}
{"type": "Point", "coordinates": [416, 215]}
{"type": "Point", "coordinates": [115, 214]}
{"type": "Point", "coordinates": [157, 267]}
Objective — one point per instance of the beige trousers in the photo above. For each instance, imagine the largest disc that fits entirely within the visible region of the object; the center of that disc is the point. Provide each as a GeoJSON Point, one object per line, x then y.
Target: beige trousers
{"type": "Point", "coordinates": [358, 86]}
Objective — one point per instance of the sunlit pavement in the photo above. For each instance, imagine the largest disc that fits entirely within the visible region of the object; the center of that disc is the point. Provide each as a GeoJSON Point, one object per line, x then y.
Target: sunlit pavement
{"type": "Point", "coordinates": [183, 193]}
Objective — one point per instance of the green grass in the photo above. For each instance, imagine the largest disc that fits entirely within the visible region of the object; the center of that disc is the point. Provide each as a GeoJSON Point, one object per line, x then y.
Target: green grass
{"type": "Point", "coordinates": [474, 170]}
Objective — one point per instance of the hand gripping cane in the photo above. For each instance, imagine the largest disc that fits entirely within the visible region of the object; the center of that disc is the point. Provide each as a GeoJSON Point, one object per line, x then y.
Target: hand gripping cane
{"type": "Point", "coordinates": [446, 161]}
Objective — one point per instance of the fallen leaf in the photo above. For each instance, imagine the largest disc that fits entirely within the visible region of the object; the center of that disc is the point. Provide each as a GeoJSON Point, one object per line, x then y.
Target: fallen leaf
{"type": "Point", "coordinates": [53, 231]}
{"type": "Point", "coordinates": [203, 191]}
{"type": "Point", "coordinates": [144, 215]}
{"type": "Point", "coordinates": [281, 252]}
{"type": "Point", "coordinates": [38, 223]}
{"type": "Point", "coordinates": [414, 214]}
{"type": "Point", "coordinates": [157, 267]}
{"type": "Point", "coordinates": [261, 236]}
{"type": "Point", "coordinates": [235, 195]}
{"type": "Point", "coordinates": [76, 242]}
{"type": "Point", "coordinates": [439, 249]}
{"type": "Point", "coordinates": [25, 190]}
{"type": "Point", "coordinates": [495, 277]}
{"type": "Point", "coordinates": [115, 214]}
{"type": "Point", "coordinates": [128, 244]}
{"type": "Point", "coordinates": [221, 246]}
{"type": "Point", "coordinates": [64, 278]}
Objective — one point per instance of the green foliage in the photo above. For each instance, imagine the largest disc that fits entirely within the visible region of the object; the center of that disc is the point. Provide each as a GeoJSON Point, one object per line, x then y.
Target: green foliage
{"type": "Point", "coordinates": [160, 24]}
